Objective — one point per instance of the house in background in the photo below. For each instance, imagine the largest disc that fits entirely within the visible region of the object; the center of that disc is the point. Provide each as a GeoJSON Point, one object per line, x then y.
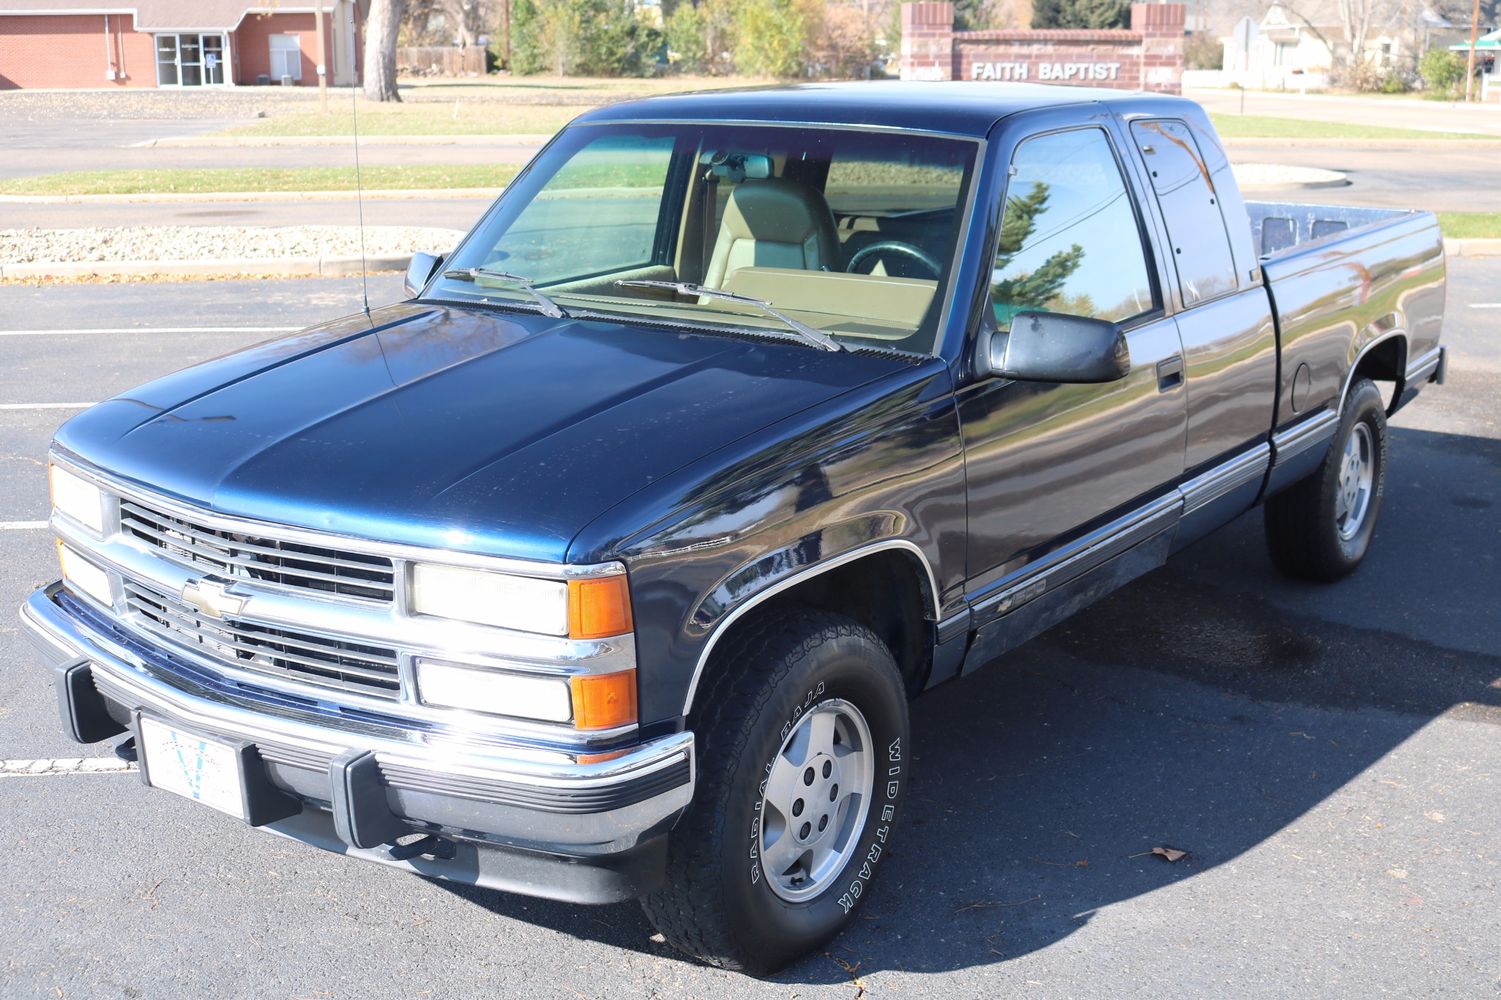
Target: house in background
{"type": "Point", "coordinates": [80, 44]}
{"type": "Point", "coordinates": [1290, 49]}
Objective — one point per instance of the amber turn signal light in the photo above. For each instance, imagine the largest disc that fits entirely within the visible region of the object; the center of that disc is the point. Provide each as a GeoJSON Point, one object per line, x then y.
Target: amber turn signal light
{"type": "Point", "coordinates": [604, 701]}
{"type": "Point", "coordinates": [599, 607]}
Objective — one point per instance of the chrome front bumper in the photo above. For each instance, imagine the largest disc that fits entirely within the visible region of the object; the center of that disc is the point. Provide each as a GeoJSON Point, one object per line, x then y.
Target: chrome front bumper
{"type": "Point", "coordinates": [563, 823]}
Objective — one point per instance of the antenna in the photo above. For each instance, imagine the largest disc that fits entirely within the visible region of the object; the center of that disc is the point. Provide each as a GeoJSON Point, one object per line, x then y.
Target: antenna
{"type": "Point", "coordinates": [359, 191]}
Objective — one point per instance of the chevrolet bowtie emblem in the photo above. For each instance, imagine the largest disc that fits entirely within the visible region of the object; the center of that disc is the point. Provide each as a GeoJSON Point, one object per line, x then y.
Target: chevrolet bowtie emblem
{"type": "Point", "coordinates": [212, 599]}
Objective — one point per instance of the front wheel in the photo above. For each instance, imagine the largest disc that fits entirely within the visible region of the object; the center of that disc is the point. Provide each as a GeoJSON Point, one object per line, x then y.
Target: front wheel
{"type": "Point", "coordinates": [1320, 529]}
{"type": "Point", "coordinates": [802, 761]}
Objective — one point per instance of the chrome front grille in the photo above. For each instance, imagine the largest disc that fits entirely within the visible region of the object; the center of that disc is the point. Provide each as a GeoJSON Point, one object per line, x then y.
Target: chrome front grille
{"type": "Point", "coordinates": [283, 653]}
{"type": "Point", "coordinates": [266, 561]}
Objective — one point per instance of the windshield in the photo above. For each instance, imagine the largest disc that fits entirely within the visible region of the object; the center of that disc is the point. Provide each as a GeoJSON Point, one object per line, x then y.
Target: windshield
{"type": "Point", "coordinates": [852, 233]}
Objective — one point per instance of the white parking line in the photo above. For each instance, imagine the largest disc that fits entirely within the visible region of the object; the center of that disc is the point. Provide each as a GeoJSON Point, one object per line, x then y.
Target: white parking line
{"type": "Point", "coordinates": [150, 329]}
{"type": "Point", "coordinates": [45, 406]}
{"type": "Point", "coordinates": [64, 765]}
{"type": "Point", "coordinates": [1485, 305]}
{"type": "Point", "coordinates": [21, 525]}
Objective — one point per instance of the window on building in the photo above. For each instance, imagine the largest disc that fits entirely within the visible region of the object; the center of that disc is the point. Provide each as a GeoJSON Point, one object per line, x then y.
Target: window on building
{"type": "Point", "coordinates": [286, 57]}
{"type": "Point", "coordinates": [1069, 239]}
{"type": "Point", "coordinates": [166, 60]}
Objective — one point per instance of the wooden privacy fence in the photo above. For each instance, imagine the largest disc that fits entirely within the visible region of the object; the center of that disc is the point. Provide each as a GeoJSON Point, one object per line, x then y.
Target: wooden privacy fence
{"type": "Point", "coordinates": [440, 60]}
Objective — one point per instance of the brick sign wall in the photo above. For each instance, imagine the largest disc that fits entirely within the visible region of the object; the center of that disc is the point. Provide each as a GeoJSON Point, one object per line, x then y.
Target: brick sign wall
{"type": "Point", "coordinates": [1146, 56]}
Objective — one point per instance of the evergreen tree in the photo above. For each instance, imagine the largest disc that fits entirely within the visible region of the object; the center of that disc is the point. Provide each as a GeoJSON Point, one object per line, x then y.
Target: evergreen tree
{"type": "Point", "coordinates": [1081, 14]}
{"type": "Point", "coordinates": [1039, 288]}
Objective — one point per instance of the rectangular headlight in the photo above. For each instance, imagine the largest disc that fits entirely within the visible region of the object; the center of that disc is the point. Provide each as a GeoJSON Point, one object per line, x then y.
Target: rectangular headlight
{"type": "Point", "coordinates": [77, 498]}
{"type": "Point", "coordinates": [496, 692]}
{"type": "Point", "coordinates": [84, 575]}
{"type": "Point", "coordinates": [476, 595]}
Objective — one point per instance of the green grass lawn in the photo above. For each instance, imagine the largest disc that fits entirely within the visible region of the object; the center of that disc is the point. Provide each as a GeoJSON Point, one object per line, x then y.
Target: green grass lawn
{"type": "Point", "coordinates": [1470, 225]}
{"type": "Point", "coordinates": [490, 106]}
{"type": "Point", "coordinates": [267, 179]}
{"type": "Point", "coordinates": [1260, 127]}
{"type": "Point", "coordinates": [426, 118]}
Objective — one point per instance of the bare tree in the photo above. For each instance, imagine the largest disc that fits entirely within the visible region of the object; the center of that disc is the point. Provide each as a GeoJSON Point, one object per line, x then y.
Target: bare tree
{"type": "Point", "coordinates": [382, 26]}
{"type": "Point", "coordinates": [1355, 20]}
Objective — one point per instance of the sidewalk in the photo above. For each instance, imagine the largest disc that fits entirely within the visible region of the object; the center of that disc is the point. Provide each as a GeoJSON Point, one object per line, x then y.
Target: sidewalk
{"type": "Point", "coordinates": [1392, 112]}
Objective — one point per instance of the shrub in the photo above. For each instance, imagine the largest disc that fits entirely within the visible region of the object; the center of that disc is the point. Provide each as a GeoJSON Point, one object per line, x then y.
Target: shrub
{"type": "Point", "coordinates": [687, 49]}
{"type": "Point", "coordinates": [1442, 72]}
{"type": "Point", "coordinates": [1203, 51]}
{"type": "Point", "coordinates": [771, 38]}
{"type": "Point", "coordinates": [581, 37]}
{"type": "Point", "coordinates": [1395, 82]}
{"type": "Point", "coordinates": [841, 42]}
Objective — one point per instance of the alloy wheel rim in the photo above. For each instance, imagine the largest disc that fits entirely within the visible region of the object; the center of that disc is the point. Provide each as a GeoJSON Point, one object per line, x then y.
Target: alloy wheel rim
{"type": "Point", "coordinates": [1357, 476]}
{"type": "Point", "coordinates": [816, 801]}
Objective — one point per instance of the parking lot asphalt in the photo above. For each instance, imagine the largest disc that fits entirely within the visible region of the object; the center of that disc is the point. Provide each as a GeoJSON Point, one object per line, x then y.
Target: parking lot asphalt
{"type": "Point", "coordinates": [1327, 756]}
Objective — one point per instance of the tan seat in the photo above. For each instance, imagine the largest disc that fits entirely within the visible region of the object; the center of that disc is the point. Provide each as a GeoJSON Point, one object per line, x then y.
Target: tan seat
{"type": "Point", "coordinates": [774, 223]}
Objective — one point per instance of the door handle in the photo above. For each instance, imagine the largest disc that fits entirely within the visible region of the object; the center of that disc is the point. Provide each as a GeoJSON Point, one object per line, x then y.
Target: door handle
{"type": "Point", "coordinates": [1170, 373]}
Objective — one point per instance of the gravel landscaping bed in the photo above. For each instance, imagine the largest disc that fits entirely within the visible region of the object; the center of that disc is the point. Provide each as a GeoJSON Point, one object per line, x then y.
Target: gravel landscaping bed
{"type": "Point", "coordinates": [268, 102]}
{"type": "Point", "coordinates": [156, 105]}
{"type": "Point", "coordinates": [193, 243]}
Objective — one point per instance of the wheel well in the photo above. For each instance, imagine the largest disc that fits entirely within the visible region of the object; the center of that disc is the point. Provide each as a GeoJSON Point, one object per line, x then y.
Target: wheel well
{"type": "Point", "coordinates": [887, 592]}
{"type": "Point", "coordinates": [1386, 362]}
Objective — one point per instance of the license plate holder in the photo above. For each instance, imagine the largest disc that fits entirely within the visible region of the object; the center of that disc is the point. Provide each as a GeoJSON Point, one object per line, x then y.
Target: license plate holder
{"type": "Point", "coordinates": [196, 767]}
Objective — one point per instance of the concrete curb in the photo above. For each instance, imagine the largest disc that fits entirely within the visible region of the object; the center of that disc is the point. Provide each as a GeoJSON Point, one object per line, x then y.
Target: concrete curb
{"type": "Point", "coordinates": [1295, 185]}
{"type": "Point", "coordinates": [285, 267]}
{"type": "Point", "coordinates": [232, 141]}
{"type": "Point", "coordinates": [1473, 247]}
{"type": "Point", "coordinates": [1431, 145]}
{"type": "Point", "coordinates": [387, 194]}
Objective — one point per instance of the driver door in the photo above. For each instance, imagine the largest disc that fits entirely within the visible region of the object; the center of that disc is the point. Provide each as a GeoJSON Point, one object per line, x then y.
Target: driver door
{"type": "Point", "coordinates": [1054, 469]}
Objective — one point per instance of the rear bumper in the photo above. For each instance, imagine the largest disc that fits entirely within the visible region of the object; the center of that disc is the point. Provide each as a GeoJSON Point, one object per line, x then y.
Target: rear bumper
{"type": "Point", "coordinates": [584, 827]}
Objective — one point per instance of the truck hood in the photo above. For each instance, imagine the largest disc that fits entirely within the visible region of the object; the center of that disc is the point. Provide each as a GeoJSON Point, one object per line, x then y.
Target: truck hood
{"type": "Point", "coordinates": [453, 427]}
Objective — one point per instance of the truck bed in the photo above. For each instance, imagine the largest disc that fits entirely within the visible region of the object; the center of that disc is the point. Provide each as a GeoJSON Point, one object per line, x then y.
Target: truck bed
{"type": "Point", "coordinates": [1279, 226]}
{"type": "Point", "coordinates": [1343, 280]}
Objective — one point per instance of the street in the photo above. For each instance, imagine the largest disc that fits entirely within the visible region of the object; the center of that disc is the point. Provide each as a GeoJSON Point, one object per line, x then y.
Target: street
{"type": "Point", "coordinates": [1328, 757]}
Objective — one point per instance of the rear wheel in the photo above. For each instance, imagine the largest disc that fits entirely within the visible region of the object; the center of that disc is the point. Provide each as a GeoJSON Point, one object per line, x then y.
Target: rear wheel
{"type": "Point", "coordinates": [1320, 529]}
{"type": "Point", "coordinates": [801, 764]}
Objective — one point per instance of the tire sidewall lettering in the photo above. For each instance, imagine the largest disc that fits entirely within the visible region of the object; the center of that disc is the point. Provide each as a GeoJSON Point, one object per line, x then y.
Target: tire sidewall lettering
{"type": "Point", "coordinates": [887, 787]}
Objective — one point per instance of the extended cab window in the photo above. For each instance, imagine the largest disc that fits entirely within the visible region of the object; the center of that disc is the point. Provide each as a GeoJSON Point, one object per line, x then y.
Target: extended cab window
{"type": "Point", "coordinates": [851, 234]}
{"type": "Point", "coordinates": [1183, 181]}
{"type": "Point", "coordinates": [1069, 239]}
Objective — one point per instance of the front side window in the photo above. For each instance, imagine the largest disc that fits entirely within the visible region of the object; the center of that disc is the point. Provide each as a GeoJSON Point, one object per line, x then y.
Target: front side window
{"type": "Point", "coordinates": [1069, 240]}
{"type": "Point", "coordinates": [853, 233]}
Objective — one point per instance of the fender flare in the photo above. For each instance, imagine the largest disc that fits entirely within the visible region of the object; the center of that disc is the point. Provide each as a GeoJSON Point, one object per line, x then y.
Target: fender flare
{"type": "Point", "coordinates": [802, 574]}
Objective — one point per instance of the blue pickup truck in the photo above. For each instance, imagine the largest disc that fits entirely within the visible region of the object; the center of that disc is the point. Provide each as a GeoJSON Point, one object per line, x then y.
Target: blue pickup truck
{"type": "Point", "coordinates": [604, 565]}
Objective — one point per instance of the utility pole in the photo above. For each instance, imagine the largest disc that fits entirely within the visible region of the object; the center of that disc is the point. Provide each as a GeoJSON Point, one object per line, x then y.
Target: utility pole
{"type": "Point", "coordinates": [1470, 68]}
{"type": "Point", "coordinates": [505, 33]}
{"type": "Point", "coordinates": [323, 58]}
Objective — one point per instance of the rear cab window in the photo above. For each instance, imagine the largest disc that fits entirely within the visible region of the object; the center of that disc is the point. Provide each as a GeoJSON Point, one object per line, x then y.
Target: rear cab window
{"type": "Point", "coordinates": [1184, 183]}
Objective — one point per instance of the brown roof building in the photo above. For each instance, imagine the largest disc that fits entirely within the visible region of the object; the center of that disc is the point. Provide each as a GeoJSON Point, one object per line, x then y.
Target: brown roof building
{"type": "Point", "coordinates": [79, 44]}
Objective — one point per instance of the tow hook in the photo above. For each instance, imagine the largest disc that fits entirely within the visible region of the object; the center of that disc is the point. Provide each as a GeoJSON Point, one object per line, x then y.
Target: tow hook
{"type": "Point", "coordinates": [431, 845]}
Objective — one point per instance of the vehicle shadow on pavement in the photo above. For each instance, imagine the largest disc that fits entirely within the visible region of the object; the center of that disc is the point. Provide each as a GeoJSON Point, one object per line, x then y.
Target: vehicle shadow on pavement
{"type": "Point", "coordinates": [1201, 708]}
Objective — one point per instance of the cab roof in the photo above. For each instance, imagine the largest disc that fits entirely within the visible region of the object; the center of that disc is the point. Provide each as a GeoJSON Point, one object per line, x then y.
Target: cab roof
{"type": "Point", "coordinates": [957, 107]}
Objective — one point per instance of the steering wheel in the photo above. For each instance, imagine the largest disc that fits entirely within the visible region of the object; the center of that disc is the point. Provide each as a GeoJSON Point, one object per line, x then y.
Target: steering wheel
{"type": "Point", "coordinates": [914, 253]}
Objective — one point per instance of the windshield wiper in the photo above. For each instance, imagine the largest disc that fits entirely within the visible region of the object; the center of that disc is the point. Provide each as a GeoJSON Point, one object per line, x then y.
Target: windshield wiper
{"type": "Point", "coordinates": [809, 334]}
{"type": "Point", "coordinates": [521, 281]}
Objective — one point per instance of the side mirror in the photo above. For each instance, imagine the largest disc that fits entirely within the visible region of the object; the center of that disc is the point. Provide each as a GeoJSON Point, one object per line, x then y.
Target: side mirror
{"type": "Point", "coordinates": [1052, 347]}
{"type": "Point", "coordinates": [419, 271]}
